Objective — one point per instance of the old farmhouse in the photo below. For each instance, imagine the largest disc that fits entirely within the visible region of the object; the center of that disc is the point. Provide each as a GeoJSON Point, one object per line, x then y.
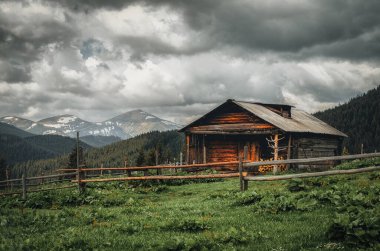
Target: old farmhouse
{"type": "Point", "coordinates": [270, 131]}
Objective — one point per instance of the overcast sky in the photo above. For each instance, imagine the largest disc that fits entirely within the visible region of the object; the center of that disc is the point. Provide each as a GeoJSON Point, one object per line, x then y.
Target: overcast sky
{"type": "Point", "coordinates": [178, 59]}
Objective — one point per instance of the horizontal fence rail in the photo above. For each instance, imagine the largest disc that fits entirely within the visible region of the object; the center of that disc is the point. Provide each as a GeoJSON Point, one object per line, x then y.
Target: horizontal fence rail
{"type": "Point", "coordinates": [308, 175]}
{"type": "Point", "coordinates": [141, 168]}
{"type": "Point", "coordinates": [244, 166]}
{"type": "Point", "coordinates": [160, 177]}
{"type": "Point", "coordinates": [23, 183]}
{"type": "Point", "coordinates": [39, 177]}
{"type": "Point", "coordinates": [40, 190]}
{"type": "Point", "coordinates": [310, 160]}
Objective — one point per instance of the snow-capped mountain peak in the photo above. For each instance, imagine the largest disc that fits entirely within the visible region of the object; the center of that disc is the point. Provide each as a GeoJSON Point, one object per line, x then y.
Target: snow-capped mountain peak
{"type": "Point", "coordinates": [124, 126]}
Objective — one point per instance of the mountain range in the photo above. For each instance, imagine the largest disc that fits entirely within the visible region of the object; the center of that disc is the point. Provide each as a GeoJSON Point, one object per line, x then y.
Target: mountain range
{"type": "Point", "coordinates": [124, 126]}
{"type": "Point", "coordinates": [17, 145]}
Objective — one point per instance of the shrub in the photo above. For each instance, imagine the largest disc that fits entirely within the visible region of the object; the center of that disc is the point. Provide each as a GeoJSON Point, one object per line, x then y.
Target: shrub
{"type": "Point", "coordinates": [248, 198]}
{"type": "Point", "coordinates": [188, 225]}
{"type": "Point", "coordinates": [356, 227]}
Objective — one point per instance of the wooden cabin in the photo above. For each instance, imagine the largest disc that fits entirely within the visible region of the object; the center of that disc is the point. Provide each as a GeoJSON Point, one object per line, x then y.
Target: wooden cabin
{"type": "Point", "coordinates": [270, 131]}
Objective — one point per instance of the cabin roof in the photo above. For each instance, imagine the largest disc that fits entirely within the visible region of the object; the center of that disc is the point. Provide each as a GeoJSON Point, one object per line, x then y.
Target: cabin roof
{"type": "Point", "coordinates": [300, 121]}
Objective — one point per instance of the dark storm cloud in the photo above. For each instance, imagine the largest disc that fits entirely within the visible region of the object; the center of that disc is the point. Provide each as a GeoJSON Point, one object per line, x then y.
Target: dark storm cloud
{"type": "Point", "coordinates": [14, 73]}
{"type": "Point", "coordinates": [141, 47]}
{"type": "Point", "coordinates": [21, 44]}
{"type": "Point", "coordinates": [283, 27]}
{"type": "Point", "coordinates": [87, 6]}
{"type": "Point", "coordinates": [181, 58]}
{"type": "Point", "coordinates": [303, 28]}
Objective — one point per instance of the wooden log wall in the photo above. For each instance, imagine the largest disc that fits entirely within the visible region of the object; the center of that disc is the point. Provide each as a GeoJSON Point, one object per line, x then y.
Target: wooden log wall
{"type": "Point", "coordinates": [306, 146]}
{"type": "Point", "coordinates": [231, 115]}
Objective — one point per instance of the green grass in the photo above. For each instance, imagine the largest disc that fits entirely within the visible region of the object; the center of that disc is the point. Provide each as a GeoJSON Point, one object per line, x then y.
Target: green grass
{"type": "Point", "coordinates": [359, 163]}
{"type": "Point", "coordinates": [284, 215]}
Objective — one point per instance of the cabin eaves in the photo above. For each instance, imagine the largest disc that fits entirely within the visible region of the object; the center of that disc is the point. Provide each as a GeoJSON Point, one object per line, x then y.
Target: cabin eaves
{"type": "Point", "coordinates": [299, 122]}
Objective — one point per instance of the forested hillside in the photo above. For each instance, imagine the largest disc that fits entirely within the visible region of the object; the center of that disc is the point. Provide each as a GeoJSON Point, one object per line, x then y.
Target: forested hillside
{"type": "Point", "coordinates": [359, 119]}
{"type": "Point", "coordinates": [15, 149]}
{"type": "Point", "coordinates": [12, 130]}
{"type": "Point", "coordinates": [168, 144]}
{"type": "Point", "coordinates": [99, 141]}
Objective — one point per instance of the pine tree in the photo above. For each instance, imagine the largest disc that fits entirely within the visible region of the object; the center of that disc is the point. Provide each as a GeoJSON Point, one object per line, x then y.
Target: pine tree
{"type": "Point", "coordinates": [151, 158]}
{"type": "Point", "coordinates": [140, 158]}
{"type": "Point", "coordinates": [73, 158]}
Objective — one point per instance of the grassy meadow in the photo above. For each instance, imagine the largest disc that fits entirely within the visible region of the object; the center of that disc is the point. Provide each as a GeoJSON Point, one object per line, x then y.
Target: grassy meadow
{"type": "Point", "coordinates": [328, 213]}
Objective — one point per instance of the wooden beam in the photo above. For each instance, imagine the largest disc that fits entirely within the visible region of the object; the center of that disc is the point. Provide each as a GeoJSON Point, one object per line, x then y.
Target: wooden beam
{"type": "Point", "coordinates": [275, 167]}
{"type": "Point", "coordinates": [51, 176]}
{"type": "Point", "coordinates": [289, 149]}
{"type": "Point", "coordinates": [309, 175]}
{"type": "Point", "coordinates": [40, 190]}
{"type": "Point", "coordinates": [245, 158]}
{"type": "Point", "coordinates": [159, 171]}
{"type": "Point", "coordinates": [311, 160]}
{"type": "Point", "coordinates": [204, 151]}
{"type": "Point", "coordinates": [245, 163]}
{"type": "Point", "coordinates": [187, 149]}
{"type": "Point", "coordinates": [241, 174]}
{"type": "Point", "coordinates": [206, 176]}
{"type": "Point", "coordinates": [140, 168]}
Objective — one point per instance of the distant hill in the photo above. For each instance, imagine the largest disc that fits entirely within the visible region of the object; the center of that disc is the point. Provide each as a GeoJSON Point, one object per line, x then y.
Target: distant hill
{"type": "Point", "coordinates": [57, 144]}
{"type": "Point", "coordinates": [16, 149]}
{"type": "Point", "coordinates": [12, 130]}
{"type": "Point", "coordinates": [359, 119]}
{"type": "Point", "coordinates": [99, 141]}
{"type": "Point", "coordinates": [20, 146]}
{"type": "Point", "coordinates": [169, 143]}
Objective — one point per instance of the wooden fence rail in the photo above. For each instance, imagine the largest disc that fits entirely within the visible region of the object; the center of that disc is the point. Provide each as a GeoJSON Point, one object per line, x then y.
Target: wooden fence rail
{"type": "Point", "coordinates": [245, 166]}
{"type": "Point", "coordinates": [308, 175]}
{"type": "Point", "coordinates": [311, 160]}
{"type": "Point", "coordinates": [40, 190]}
{"type": "Point", "coordinates": [142, 168]}
{"type": "Point", "coordinates": [160, 177]}
{"type": "Point", "coordinates": [39, 177]}
{"type": "Point", "coordinates": [24, 183]}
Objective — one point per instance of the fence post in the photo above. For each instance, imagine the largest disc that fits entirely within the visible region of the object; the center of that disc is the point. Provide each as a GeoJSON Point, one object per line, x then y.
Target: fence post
{"type": "Point", "coordinates": [129, 172]}
{"type": "Point", "coordinates": [289, 150]}
{"type": "Point", "coordinates": [81, 186]}
{"type": "Point", "coordinates": [362, 149]}
{"type": "Point", "coordinates": [241, 174]}
{"type": "Point", "coordinates": [180, 158]}
{"type": "Point", "coordinates": [159, 171]}
{"type": "Point", "coordinates": [275, 167]}
{"type": "Point", "coordinates": [24, 185]}
{"type": "Point", "coordinates": [125, 165]}
{"type": "Point", "coordinates": [245, 182]}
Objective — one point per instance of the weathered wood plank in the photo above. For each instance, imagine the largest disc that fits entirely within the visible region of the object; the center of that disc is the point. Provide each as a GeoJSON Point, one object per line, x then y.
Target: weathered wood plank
{"type": "Point", "coordinates": [205, 176]}
{"type": "Point", "coordinates": [308, 175]}
{"type": "Point", "coordinates": [311, 160]}
{"type": "Point", "coordinates": [137, 168]}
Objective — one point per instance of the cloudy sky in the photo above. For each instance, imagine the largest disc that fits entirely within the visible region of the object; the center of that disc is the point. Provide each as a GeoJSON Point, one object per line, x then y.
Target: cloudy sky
{"type": "Point", "coordinates": [178, 59]}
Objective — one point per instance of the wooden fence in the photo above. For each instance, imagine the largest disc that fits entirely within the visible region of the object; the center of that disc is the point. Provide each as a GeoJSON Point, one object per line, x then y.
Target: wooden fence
{"type": "Point", "coordinates": [250, 166]}
{"type": "Point", "coordinates": [244, 167]}
{"type": "Point", "coordinates": [24, 183]}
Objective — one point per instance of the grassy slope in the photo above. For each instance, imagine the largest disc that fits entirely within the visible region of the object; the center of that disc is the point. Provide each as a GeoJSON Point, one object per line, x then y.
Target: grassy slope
{"type": "Point", "coordinates": [115, 216]}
